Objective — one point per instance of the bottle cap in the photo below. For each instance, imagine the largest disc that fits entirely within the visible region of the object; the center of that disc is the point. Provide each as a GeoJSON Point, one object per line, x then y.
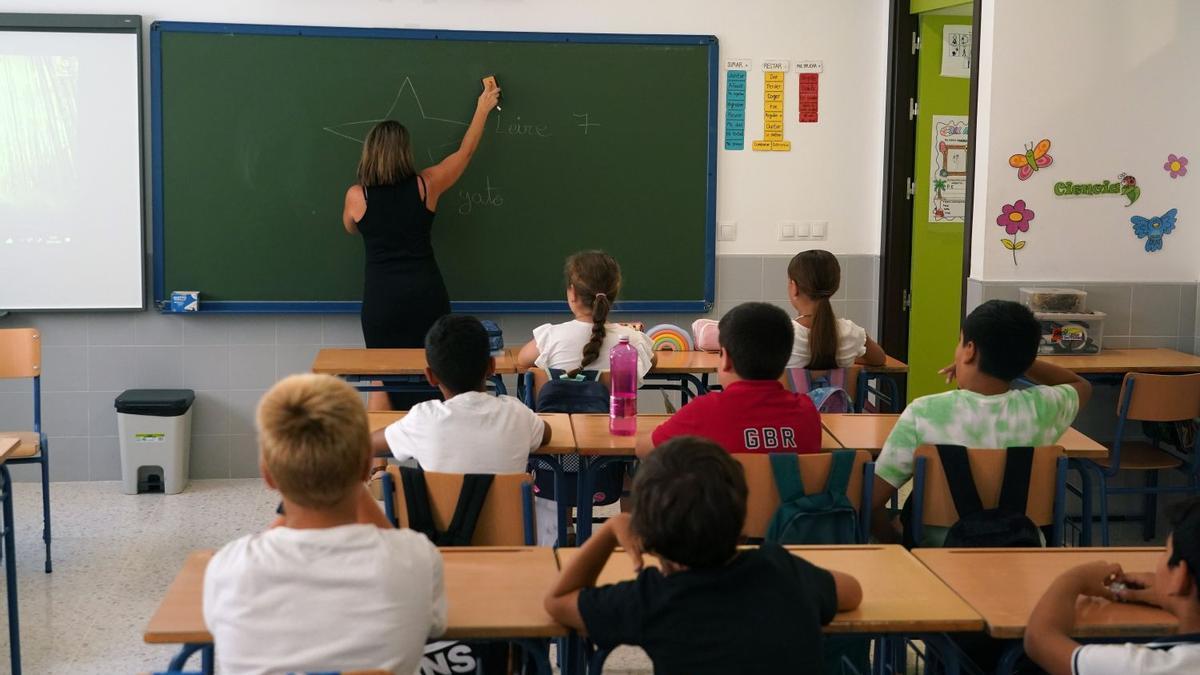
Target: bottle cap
{"type": "Point", "coordinates": [624, 339]}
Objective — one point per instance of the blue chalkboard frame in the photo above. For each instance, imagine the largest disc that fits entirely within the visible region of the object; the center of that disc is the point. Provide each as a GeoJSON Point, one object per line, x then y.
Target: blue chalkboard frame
{"type": "Point", "coordinates": [161, 294]}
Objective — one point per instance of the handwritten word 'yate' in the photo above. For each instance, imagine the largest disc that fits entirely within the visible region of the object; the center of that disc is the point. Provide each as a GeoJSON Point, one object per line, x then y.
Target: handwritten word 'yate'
{"type": "Point", "coordinates": [469, 201]}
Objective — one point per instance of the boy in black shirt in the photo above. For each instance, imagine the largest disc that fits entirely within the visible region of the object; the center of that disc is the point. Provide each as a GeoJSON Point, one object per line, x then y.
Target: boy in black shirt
{"type": "Point", "coordinates": [710, 608]}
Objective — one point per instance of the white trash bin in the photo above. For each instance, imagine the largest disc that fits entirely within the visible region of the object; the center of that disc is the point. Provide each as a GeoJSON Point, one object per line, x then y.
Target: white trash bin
{"type": "Point", "coordinates": [155, 426]}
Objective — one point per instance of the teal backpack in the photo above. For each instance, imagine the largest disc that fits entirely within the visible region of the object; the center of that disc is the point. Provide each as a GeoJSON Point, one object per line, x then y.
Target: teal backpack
{"type": "Point", "coordinates": [821, 518]}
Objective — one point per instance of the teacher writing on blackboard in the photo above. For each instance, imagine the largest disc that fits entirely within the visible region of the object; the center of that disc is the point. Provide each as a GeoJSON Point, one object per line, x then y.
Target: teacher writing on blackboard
{"type": "Point", "coordinates": [392, 206]}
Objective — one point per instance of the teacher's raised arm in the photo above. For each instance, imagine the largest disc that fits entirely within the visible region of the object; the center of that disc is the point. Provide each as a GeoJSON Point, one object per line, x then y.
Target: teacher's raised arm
{"type": "Point", "coordinates": [392, 206]}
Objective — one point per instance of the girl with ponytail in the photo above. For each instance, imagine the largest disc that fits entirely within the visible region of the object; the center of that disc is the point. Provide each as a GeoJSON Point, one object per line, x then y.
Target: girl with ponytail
{"type": "Point", "coordinates": [823, 341]}
{"type": "Point", "coordinates": [593, 282]}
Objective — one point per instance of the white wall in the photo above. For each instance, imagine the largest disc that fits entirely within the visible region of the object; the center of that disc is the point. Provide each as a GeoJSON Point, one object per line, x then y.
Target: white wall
{"type": "Point", "coordinates": [1112, 84]}
{"type": "Point", "coordinates": [834, 171]}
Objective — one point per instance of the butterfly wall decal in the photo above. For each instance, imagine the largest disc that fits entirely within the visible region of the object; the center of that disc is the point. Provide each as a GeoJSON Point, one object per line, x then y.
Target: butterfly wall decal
{"type": "Point", "coordinates": [1035, 157]}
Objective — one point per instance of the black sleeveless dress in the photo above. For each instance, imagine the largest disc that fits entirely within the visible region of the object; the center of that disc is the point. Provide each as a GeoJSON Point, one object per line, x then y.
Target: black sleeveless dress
{"type": "Point", "coordinates": [403, 291]}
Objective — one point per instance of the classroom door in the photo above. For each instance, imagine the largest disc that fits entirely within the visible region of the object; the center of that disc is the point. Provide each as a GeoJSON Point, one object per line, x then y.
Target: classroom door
{"type": "Point", "coordinates": [940, 177]}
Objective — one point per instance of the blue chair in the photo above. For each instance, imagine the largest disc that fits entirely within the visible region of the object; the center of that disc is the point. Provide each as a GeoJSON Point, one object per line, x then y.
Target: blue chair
{"type": "Point", "coordinates": [1168, 399]}
{"type": "Point", "coordinates": [933, 505]}
{"type": "Point", "coordinates": [21, 358]}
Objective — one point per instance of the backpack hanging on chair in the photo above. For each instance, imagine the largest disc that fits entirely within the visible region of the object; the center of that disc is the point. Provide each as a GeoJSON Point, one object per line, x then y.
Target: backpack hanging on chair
{"type": "Point", "coordinates": [583, 393]}
{"type": "Point", "coordinates": [827, 391]}
{"type": "Point", "coordinates": [1002, 527]}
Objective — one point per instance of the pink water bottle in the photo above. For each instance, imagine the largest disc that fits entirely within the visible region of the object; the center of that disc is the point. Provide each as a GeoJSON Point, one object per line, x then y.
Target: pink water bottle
{"type": "Point", "coordinates": [622, 405]}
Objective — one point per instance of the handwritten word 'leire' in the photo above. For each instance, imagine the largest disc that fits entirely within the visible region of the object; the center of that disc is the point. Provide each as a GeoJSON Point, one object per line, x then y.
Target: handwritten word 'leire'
{"type": "Point", "coordinates": [519, 128]}
{"type": "Point", "coordinates": [469, 201]}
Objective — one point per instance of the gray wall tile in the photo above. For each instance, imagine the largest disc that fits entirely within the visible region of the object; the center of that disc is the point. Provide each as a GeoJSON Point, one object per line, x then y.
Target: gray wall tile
{"type": "Point", "coordinates": [242, 407]}
{"type": "Point", "coordinates": [153, 328]}
{"type": "Point", "coordinates": [102, 414]}
{"type": "Point", "coordinates": [206, 330]}
{"type": "Point", "coordinates": [252, 330]}
{"type": "Point", "coordinates": [518, 328]}
{"type": "Point", "coordinates": [69, 458]}
{"type": "Point", "coordinates": [104, 458]}
{"type": "Point", "coordinates": [974, 294]}
{"type": "Point", "coordinates": [65, 413]}
{"type": "Point", "coordinates": [206, 366]}
{"type": "Point", "coordinates": [739, 277]}
{"type": "Point", "coordinates": [1000, 292]}
{"type": "Point", "coordinates": [292, 359]}
{"type": "Point", "coordinates": [1116, 301]}
{"type": "Point", "coordinates": [210, 413]}
{"type": "Point", "coordinates": [344, 330]}
{"type": "Point", "coordinates": [298, 330]}
{"type": "Point", "coordinates": [1116, 342]}
{"type": "Point", "coordinates": [1187, 310]}
{"type": "Point", "coordinates": [110, 329]}
{"type": "Point", "coordinates": [861, 312]}
{"type": "Point", "coordinates": [159, 367]}
{"type": "Point", "coordinates": [209, 457]}
{"type": "Point", "coordinates": [1150, 342]}
{"type": "Point", "coordinates": [61, 329]}
{"type": "Point", "coordinates": [243, 457]}
{"type": "Point", "coordinates": [251, 366]}
{"type": "Point", "coordinates": [64, 368]}
{"type": "Point", "coordinates": [774, 277]}
{"type": "Point", "coordinates": [857, 277]}
{"type": "Point", "coordinates": [1155, 309]}
{"type": "Point", "coordinates": [110, 368]}
{"type": "Point", "coordinates": [16, 411]}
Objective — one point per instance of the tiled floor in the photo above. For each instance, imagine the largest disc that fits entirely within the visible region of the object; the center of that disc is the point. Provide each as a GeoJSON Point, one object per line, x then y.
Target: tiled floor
{"type": "Point", "coordinates": [114, 556]}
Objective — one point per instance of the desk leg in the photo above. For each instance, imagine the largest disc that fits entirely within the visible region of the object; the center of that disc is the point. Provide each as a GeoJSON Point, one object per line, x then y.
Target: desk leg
{"type": "Point", "coordinates": [573, 660]}
{"type": "Point", "coordinates": [498, 383]}
{"type": "Point", "coordinates": [538, 651]}
{"type": "Point", "coordinates": [562, 509]}
{"type": "Point", "coordinates": [588, 466]}
{"type": "Point", "coordinates": [179, 662]}
{"type": "Point", "coordinates": [1008, 661]}
{"type": "Point", "coordinates": [949, 655]}
{"type": "Point", "coordinates": [10, 572]}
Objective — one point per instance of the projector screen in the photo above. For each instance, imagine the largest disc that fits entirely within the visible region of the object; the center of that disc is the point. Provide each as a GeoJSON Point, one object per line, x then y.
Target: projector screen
{"type": "Point", "coordinates": [70, 170]}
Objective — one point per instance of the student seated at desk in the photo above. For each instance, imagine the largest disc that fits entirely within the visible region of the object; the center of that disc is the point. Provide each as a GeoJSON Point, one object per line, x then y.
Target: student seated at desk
{"type": "Point", "coordinates": [471, 431]}
{"type": "Point", "coordinates": [823, 341]}
{"type": "Point", "coordinates": [322, 592]}
{"type": "Point", "coordinates": [998, 343]}
{"type": "Point", "coordinates": [754, 412]}
{"type": "Point", "coordinates": [1173, 586]}
{"type": "Point", "coordinates": [593, 282]}
{"type": "Point", "coordinates": [710, 608]}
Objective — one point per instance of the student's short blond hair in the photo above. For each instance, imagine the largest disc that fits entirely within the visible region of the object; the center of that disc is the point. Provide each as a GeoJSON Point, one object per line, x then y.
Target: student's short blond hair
{"type": "Point", "coordinates": [312, 431]}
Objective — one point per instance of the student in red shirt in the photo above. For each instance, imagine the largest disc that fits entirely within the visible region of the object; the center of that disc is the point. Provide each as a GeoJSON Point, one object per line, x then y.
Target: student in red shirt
{"type": "Point", "coordinates": [754, 413]}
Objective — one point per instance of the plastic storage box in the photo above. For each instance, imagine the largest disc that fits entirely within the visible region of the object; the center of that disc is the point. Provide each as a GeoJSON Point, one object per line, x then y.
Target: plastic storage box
{"type": "Point", "coordinates": [1071, 332]}
{"type": "Point", "coordinates": [155, 426]}
{"type": "Point", "coordinates": [1054, 299]}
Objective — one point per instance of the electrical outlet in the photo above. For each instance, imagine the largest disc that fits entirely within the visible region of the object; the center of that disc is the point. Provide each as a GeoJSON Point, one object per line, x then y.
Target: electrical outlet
{"type": "Point", "coordinates": [820, 228]}
{"type": "Point", "coordinates": [803, 230]}
{"type": "Point", "coordinates": [787, 230]}
{"type": "Point", "coordinates": [727, 230]}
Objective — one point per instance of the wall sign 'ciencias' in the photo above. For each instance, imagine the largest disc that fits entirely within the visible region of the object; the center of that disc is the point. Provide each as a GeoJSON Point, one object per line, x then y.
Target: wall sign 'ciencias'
{"type": "Point", "coordinates": [1125, 186]}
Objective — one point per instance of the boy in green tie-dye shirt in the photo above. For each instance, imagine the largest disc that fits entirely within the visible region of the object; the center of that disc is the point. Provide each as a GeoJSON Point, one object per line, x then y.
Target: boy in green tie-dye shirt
{"type": "Point", "coordinates": [998, 344]}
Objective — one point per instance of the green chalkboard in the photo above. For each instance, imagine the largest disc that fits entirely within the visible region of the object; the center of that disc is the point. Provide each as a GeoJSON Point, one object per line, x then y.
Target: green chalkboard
{"type": "Point", "coordinates": [602, 142]}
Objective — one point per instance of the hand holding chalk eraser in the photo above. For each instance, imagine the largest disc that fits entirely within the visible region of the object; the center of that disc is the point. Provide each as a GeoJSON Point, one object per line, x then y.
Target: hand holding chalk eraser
{"type": "Point", "coordinates": [489, 83]}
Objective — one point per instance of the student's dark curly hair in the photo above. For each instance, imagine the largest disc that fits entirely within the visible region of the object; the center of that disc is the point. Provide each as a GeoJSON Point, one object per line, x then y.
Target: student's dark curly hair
{"type": "Point", "coordinates": [689, 503]}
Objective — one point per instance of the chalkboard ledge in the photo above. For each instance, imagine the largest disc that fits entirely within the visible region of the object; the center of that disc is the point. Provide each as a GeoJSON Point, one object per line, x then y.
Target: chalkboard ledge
{"type": "Point", "coordinates": [487, 307]}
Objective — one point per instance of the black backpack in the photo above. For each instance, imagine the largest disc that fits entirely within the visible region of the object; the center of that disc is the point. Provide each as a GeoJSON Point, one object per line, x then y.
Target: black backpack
{"type": "Point", "coordinates": [474, 492]}
{"type": "Point", "coordinates": [581, 394]}
{"type": "Point", "coordinates": [1002, 527]}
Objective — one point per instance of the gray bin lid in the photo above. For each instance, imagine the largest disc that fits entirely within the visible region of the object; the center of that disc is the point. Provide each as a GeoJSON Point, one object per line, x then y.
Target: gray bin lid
{"type": "Point", "coordinates": [155, 402]}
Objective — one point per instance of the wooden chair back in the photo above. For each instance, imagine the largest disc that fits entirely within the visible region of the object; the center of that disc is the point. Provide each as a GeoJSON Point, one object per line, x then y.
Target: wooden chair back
{"type": "Point", "coordinates": [762, 498]}
{"type": "Point", "coordinates": [1160, 398]}
{"type": "Point", "coordinates": [20, 353]}
{"type": "Point", "coordinates": [987, 468]}
{"type": "Point", "coordinates": [502, 519]}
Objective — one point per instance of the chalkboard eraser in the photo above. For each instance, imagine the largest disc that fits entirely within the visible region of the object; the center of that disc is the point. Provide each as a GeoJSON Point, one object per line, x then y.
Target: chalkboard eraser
{"type": "Point", "coordinates": [489, 82]}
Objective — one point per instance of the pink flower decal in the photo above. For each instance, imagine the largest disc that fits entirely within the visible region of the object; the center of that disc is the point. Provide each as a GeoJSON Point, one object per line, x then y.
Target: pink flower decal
{"type": "Point", "coordinates": [1014, 218]}
{"type": "Point", "coordinates": [1176, 165]}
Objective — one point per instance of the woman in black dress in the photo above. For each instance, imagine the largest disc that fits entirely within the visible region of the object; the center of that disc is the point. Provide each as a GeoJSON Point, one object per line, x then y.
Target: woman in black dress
{"type": "Point", "coordinates": [392, 206]}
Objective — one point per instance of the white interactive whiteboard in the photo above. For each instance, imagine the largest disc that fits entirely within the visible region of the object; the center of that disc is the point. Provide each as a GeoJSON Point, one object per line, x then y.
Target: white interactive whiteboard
{"type": "Point", "coordinates": [70, 163]}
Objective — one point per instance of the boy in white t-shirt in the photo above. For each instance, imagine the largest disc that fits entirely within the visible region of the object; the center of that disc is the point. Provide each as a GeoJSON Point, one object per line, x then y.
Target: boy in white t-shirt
{"type": "Point", "coordinates": [321, 592]}
{"type": "Point", "coordinates": [471, 431]}
{"type": "Point", "coordinates": [1173, 586]}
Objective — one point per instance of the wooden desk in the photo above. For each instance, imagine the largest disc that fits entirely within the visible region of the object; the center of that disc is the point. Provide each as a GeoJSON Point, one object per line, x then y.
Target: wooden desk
{"type": "Point", "coordinates": [890, 366]}
{"type": "Point", "coordinates": [562, 437]}
{"type": "Point", "coordinates": [694, 362]}
{"type": "Point", "coordinates": [365, 362]}
{"type": "Point", "coordinates": [1117, 361]}
{"type": "Point", "coordinates": [899, 594]}
{"type": "Point", "coordinates": [593, 438]}
{"type": "Point", "coordinates": [868, 432]}
{"type": "Point", "coordinates": [7, 445]}
{"type": "Point", "coordinates": [1004, 585]}
{"type": "Point", "coordinates": [491, 593]}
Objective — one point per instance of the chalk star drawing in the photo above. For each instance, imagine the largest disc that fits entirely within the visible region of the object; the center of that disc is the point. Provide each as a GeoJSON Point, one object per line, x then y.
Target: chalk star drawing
{"type": "Point", "coordinates": [357, 131]}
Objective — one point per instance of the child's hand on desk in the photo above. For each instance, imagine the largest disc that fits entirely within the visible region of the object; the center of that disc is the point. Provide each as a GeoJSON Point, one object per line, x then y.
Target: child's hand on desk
{"type": "Point", "coordinates": [1137, 587]}
{"type": "Point", "coordinates": [1094, 579]}
{"type": "Point", "coordinates": [621, 528]}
